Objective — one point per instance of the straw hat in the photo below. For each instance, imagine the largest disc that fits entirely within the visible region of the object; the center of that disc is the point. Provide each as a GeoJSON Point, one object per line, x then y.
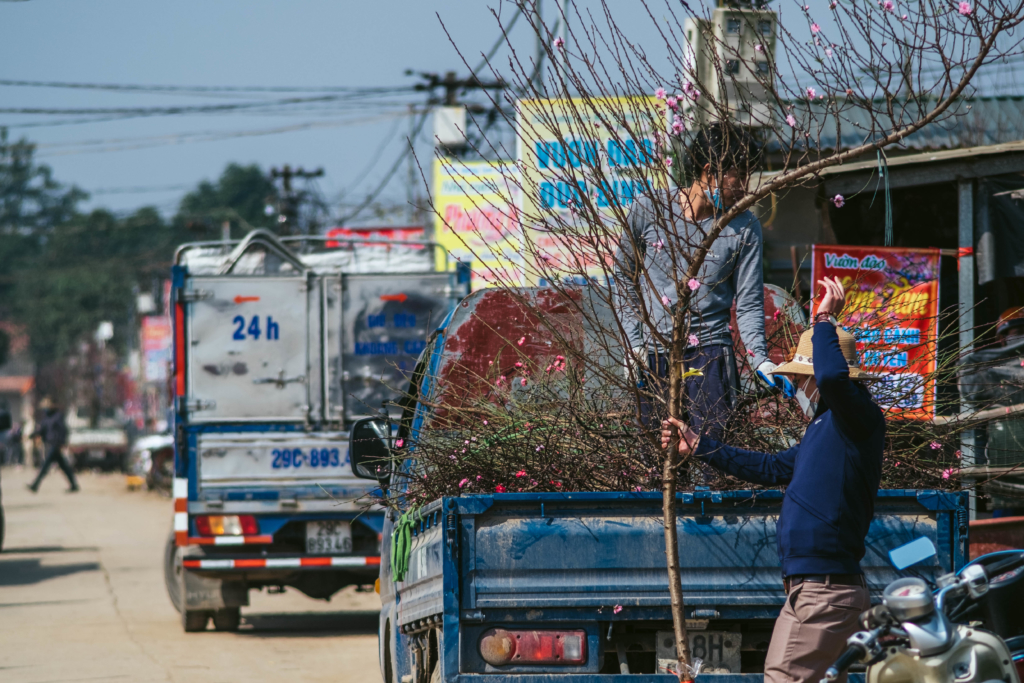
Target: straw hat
{"type": "Point", "coordinates": [803, 359]}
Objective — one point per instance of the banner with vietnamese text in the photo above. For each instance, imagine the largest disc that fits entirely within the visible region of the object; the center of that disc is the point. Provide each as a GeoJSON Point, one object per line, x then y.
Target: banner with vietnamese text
{"type": "Point", "coordinates": [892, 306]}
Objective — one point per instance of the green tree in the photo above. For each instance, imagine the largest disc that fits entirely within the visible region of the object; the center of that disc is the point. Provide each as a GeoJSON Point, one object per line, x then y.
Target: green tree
{"type": "Point", "coordinates": [240, 192]}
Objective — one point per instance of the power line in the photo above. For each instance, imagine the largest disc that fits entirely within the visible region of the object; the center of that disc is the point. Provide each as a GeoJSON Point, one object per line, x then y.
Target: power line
{"type": "Point", "coordinates": [132, 87]}
{"type": "Point", "coordinates": [390, 174]}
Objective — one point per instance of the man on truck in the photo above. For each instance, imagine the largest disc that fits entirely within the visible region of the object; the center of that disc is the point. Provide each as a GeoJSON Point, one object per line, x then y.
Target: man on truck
{"type": "Point", "coordinates": [653, 254]}
{"type": "Point", "coordinates": [831, 480]}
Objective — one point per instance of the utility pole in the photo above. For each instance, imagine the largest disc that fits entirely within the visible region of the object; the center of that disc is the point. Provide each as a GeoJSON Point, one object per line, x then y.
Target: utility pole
{"type": "Point", "coordinates": [288, 205]}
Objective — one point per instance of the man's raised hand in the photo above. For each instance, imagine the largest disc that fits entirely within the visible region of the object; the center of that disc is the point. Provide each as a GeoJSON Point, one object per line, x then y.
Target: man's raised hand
{"type": "Point", "coordinates": [673, 429]}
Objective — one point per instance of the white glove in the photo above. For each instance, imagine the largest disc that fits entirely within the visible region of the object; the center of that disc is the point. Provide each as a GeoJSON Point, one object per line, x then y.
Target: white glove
{"type": "Point", "coordinates": [764, 373]}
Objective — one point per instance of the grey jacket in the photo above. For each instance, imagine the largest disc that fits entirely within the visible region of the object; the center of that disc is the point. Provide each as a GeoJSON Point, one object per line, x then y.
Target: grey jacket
{"type": "Point", "coordinates": [731, 272]}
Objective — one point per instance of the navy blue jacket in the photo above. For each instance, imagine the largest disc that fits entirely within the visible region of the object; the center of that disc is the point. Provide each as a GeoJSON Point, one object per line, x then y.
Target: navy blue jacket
{"type": "Point", "coordinates": [831, 476]}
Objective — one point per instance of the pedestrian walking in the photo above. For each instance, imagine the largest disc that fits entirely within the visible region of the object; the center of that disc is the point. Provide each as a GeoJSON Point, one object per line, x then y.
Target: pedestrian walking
{"type": "Point", "coordinates": [831, 480]}
{"type": "Point", "coordinates": [52, 430]}
{"type": "Point", "coordinates": [653, 253]}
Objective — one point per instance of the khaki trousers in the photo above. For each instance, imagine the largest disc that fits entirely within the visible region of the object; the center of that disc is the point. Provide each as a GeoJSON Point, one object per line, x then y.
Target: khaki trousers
{"type": "Point", "coordinates": [811, 631]}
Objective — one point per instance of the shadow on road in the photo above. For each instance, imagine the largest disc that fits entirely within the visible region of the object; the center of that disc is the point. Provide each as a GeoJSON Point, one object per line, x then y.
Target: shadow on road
{"type": "Point", "coordinates": [27, 572]}
{"type": "Point", "coordinates": [32, 550]}
{"type": "Point", "coordinates": [310, 624]}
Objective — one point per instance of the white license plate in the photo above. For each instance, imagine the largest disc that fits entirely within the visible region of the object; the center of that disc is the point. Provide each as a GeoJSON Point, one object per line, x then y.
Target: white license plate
{"type": "Point", "coordinates": [328, 537]}
{"type": "Point", "coordinates": [719, 650]}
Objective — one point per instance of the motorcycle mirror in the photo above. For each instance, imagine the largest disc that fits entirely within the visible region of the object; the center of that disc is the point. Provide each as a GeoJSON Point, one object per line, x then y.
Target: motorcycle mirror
{"type": "Point", "coordinates": [907, 555]}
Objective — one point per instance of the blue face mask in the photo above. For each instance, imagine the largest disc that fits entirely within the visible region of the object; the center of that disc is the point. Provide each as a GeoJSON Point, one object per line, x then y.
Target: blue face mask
{"type": "Point", "coordinates": [715, 198]}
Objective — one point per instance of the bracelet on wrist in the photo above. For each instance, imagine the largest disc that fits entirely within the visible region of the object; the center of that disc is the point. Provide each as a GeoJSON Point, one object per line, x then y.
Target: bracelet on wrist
{"type": "Point", "coordinates": [825, 318]}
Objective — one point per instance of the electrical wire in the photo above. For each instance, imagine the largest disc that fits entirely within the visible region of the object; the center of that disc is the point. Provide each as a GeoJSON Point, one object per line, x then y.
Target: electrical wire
{"type": "Point", "coordinates": [132, 87]}
{"type": "Point", "coordinates": [390, 174]}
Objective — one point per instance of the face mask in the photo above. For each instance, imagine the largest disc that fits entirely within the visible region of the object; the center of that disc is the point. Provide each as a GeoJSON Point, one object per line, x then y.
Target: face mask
{"type": "Point", "coordinates": [808, 404]}
{"type": "Point", "coordinates": [715, 198]}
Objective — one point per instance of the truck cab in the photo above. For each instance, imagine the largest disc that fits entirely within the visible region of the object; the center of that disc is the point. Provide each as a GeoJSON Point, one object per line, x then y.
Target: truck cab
{"type": "Point", "coordinates": [279, 346]}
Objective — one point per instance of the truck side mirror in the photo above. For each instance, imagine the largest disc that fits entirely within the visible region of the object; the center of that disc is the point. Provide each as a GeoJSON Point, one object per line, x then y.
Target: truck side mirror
{"type": "Point", "coordinates": [368, 447]}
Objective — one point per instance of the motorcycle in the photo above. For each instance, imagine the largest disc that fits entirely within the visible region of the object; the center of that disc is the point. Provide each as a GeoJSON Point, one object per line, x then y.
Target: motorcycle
{"type": "Point", "coordinates": [970, 630]}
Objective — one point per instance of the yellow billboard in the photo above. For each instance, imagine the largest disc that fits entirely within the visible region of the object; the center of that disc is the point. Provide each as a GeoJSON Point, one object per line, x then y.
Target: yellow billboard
{"type": "Point", "coordinates": [583, 162]}
{"type": "Point", "coordinates": [477, 218]}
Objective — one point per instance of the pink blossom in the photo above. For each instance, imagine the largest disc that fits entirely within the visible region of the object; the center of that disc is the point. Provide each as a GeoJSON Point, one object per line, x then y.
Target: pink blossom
{"type": "Point", "coordinates": [692, 340]}
{"type": "Point", "coordinates": [672, 102]}
{"type": "Point", "coordinates": [729, 326]}
{"type": "Point", "coordinates": [660, 93]}
{"type": "Point", "coordinates": [815, 28]}
{"type": "Point", "coordinates": [500, 488]}
{"type": "Point", "coordinates": [557, 484]}
{"type": "Point", "coordinates": [965, 8]}
{"type": "Point", "coordinates": [957, 453]}
{"type": "Point", "coordinates": [558, 43]}
{"type": "Point", "coordinates": [539, 448]}
{"type": "Point", "coordinates": [831, 5]}
{"type": "Point", "coordinates": [777, 314]}
{"type": "Point", "coordinates": [810, 93]}
{"type": "Point", "coordinates": [750, 353]}
{"type": "Point", "coordinates": [521, 341]}
{"type": "Point", "coordinates": [658, 245]}
{"type": "Point", "coordinates": [463, 483]}
{"type": "Point", "coordinates": [693, 284]}
{"type": "Point", "coordinates": [522, 382]}
{"type": "Point", "coordinates": [791, 121]}
{"type": "Point", "coordinates": [666, 301]}
{"type": "Point", "coordinates": [521, 473]}
{"type": "Point", "coordinates": [828, 52]}
{"type": "Point", "coordinates": [668, 162]}
{"type": "Point", "coordinates": [485, 421]}
{"type": "Point", "coordinates": [839, 200]}
{"type": "Point", "coordinates": [399, 443]}
{"type": "Point", "coordinates": [887, 5]}
{"type": "Point", "coordinates": [677, 126]}
{"type": "Point", "coordinates": [806, 7]}
{"type": "Point", "coordinates": [617, 609]}
{"type": "Point", "coordinates": [500, 380]}
{"type": "Point", "coordinates": [904, 17]}
{"type": "Point", "coordinates": [546, 257]}
{"type": "Point", "coordinates": [946, 473]}
{"type": "Point", "coordinates": [759, 48]}
{"type": "Point", "coordinates": [935, 445]}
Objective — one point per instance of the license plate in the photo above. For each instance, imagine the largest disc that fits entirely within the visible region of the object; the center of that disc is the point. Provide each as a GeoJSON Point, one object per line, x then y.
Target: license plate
{"type": "Point", "coordinates": [328, 538]}
{"type": "Point", "coordinates": [719, 650]}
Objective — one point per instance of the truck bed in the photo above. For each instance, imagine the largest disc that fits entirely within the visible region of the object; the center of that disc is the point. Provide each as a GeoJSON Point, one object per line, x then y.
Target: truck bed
{"type": "Point", "coordinates": [552, 560]}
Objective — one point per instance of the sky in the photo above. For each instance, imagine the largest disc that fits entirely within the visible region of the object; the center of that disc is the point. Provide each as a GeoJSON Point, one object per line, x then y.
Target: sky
{"type": "Point", "coordinates": [129, 162]}
{"type": "Point", "coordinates": [126, 163]}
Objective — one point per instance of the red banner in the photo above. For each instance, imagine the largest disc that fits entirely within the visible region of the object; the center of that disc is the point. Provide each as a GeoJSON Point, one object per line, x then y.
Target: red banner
{"type": "Point", "coordinates": [892, 306]}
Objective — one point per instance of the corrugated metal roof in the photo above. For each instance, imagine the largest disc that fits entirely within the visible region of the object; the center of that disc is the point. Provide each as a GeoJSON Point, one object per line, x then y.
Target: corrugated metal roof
{"type": "Point", "coordinates": [972, 122]}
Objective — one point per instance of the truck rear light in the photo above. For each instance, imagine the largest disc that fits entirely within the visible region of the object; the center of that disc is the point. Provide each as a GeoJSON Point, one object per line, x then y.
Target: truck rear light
{"type": "Point", "coordinates": [227, 525]}
{"type": "Point", "coordinates": [499, 647]}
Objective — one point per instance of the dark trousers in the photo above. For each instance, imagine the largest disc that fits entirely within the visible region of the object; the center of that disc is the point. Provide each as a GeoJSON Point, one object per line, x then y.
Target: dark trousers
{"type": "Point", "coordinates": [709, 398]}
{"type": "Point", "coordinates": [54, 455]}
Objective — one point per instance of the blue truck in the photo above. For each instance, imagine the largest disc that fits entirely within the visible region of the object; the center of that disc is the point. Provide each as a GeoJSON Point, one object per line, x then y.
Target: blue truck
{"type": "Point", "coordinates": [533, 587]}
{"type": "Point", "coordinates": [278, 348]}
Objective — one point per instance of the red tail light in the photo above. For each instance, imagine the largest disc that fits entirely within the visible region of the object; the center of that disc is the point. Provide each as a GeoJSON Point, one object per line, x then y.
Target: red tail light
{"type": "Point", "coordinates": [227, 525]}
{"type": "Point", "coordinates": [499, 647]}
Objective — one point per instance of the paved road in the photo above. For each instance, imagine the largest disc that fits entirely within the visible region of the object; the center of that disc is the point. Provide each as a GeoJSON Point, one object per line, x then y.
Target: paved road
{"type": "Point", "coordinates": [82, 598]}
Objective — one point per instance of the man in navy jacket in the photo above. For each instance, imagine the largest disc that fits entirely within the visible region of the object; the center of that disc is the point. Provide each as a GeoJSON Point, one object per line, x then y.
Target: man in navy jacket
{"type": "Point", "coordinates": [831, 480]}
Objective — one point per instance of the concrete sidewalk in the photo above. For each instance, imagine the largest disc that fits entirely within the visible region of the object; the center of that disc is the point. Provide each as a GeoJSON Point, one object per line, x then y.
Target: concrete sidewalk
{"type": "Point", "coordinates": [82, 598]}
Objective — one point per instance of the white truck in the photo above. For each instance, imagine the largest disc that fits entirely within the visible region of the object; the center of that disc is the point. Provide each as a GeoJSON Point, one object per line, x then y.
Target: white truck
{"type": "Point", "coordinates": [279, 346]}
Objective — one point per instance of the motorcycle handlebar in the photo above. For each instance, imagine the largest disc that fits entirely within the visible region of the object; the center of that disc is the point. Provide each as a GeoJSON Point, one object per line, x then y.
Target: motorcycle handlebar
{"type": "Point", "coordinates": [1009, 564]}
{"type": "Point", "coordinates": [854, 653]}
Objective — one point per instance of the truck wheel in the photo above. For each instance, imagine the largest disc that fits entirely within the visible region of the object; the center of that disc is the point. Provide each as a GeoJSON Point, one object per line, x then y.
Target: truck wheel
{"type": "Point", "coordinates": [227, 619]}
{"type": "Point", "coordinates": [193, 621]}
{"type": "Point", "coordinates": [172, 573]}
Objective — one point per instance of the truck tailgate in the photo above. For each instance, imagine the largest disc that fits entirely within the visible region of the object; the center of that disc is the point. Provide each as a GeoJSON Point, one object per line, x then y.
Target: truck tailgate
{"type": "Point", "coordinates": [578, 550]}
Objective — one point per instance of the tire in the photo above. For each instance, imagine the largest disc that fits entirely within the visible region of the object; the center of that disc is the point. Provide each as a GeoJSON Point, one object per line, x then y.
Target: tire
{"type": "Point", "coordinates": [172, 572]}
{"type": "Point", "coordinates": [195, 621]}
{"type": "Point", "coordinates": [227, 619]}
